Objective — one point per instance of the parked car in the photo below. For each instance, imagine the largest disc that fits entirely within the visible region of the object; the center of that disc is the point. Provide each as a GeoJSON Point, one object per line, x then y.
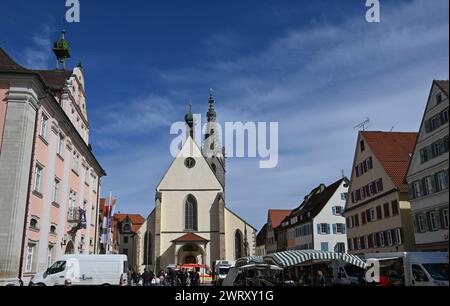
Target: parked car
{"type": "Point", "coordinates": [90, 270]}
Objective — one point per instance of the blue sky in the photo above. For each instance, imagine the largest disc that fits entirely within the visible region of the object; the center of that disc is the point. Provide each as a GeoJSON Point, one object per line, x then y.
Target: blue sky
{"type": "Point", "coordinates": [316, 67]}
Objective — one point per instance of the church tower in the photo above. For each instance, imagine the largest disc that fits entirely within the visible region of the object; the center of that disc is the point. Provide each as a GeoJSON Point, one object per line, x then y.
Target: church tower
{"type": "Point", "coordinates": [212, 149]}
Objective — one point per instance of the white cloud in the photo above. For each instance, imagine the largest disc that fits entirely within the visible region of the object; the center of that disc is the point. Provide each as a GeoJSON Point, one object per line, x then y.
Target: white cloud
{"type": "Point", "coordinates": [39, 54]}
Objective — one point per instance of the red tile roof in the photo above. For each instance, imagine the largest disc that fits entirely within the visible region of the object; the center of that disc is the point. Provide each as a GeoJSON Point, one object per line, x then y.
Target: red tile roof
{"type": "Point", "coordinates": [394, 151]}
{"type": "Point", "coordinates": [277, 215]}
{"type": "Point", "coordinates": [55, 79]}
{"type": "Point", "coordinates": [135, 218]}
{"type": "Point", "coordinates": [190, 237]}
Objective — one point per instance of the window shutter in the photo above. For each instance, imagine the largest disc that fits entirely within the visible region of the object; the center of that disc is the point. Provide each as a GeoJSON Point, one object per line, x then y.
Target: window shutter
{"type": "Point", "coordinates": [379, 214]}
{"type": "Point", "coordinates": [368, 215]}
{"type": "Point", "coordinates": [438, 219]}
{"type": "Point", "coordinates": [356, 220]}
{"type": "Point", "coordinates": [328, 229]}
{"type": "Point", "coordinates": [334, 228]}
{"type": "Point", "coordinates": [370, 163]}
{"type": "Point", "coordinates": [334, 210]}
{"type": "Point", "coordinates": [416, 224]}
{"type": "Point", "coordinates": [442, 218]}
{"type": "Point", "coordinates": [363, 217]}
{"type": "Point", "coordinates": [319, 231]}
{"type": "Point", "coordinates": [411, 191]}
{"type": "Point", "coordinates": [428, 217]}
{"type": "Point", "coordinates": [344, 229]}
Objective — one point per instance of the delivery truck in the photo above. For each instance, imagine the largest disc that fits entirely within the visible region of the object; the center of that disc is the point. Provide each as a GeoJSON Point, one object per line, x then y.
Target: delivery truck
{"type": "Point", "coordinates": [408, 268]}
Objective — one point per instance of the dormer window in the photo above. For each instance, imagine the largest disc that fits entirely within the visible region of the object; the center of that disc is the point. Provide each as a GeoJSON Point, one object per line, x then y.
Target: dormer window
{"type": "Point", "coordinates": [126, 227]}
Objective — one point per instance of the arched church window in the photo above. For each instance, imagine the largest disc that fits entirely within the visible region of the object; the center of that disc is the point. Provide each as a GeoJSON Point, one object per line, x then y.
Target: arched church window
{"type": "Point", "coordinates": [190, 211]}
{"type": "Point", "coordinates": [238, 245]}
{"type": "Point", "coordinates": [147, 248]}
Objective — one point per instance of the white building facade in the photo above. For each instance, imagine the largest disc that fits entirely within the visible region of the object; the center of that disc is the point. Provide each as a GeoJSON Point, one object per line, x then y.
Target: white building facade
{"type": "Point", "coordinates": [428, 174]}
{"type": "Point", "coordinates": [318, 223]}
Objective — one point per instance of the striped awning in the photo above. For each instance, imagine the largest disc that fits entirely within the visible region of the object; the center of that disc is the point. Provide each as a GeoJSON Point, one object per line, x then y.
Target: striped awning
{"type": "Point", "coordinates": [354, 260]}
{"type": "Point", "coordinates": [249, 260]}
{"type": "Point", "coordinates": [295, 257]}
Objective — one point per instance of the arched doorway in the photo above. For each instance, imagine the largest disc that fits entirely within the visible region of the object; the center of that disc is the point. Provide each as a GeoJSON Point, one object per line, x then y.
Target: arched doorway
{"type": "Point", "coordinates": [69, 248]}
{"type": "Point", "coordinates": [190, 254]}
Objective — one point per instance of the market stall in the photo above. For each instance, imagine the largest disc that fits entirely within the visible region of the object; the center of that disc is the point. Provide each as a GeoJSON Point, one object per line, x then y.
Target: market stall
{"type": "Point", "coordinates": [316, 268]}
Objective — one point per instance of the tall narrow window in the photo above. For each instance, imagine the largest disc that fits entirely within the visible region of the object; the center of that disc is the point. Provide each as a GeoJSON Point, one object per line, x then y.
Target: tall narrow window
{"type": "Point", "coordinates": [190, 211]}
{"type": "Point", "coordinates": [238, 244]}
{"type": "Point", "coordinates": [43, 126]}
{"type": "Point", "coordinates": [61, 145]}
{"type": "Point", "coordinates": [38, 178]}
{"type": "Point", "coordinates": [30, 255]}
{"type": "Point", "coordinates": [56, 188]}
{"type": "Point", "coordinates": [362, 146]}
{"type": "Point", "coordinates": [49, 255]}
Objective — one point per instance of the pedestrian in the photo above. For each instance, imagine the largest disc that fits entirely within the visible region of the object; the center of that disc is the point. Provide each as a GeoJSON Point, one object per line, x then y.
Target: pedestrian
{"type": "Point", "coordinates": [147, 277]}
{"type": "Point", "coordinates": [321, 280]}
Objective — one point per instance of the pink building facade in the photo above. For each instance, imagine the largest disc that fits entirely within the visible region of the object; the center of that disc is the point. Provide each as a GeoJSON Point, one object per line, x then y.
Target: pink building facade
{"type": "Point", "coordinates": [49, 176]}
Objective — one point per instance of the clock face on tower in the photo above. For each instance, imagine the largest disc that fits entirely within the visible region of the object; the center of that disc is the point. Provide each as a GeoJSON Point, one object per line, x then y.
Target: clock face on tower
{"type": "Point", "coordinates": [189, 162]}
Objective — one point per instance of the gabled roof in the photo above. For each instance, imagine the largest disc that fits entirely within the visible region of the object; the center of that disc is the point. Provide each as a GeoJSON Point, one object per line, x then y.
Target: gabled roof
{"type": "Point", "coordinates": [134, 218]}
{"type": "Point", "coordinates": [261, 237]}
{"type": "Point", "coordinates": [190, 149]}
{"type": "Point", "coordinates": [8, 64]}
{"type": "Point", "coordinates": [316, 201]}
{"type": "Point", "coordinates": [190, 237]}
{"type": "Point", "coordinates": [276, 216]}
{"type": "Point", "coordinates": [55, 79]}
{"type": "Point", "coordinates": [393, 150]}
{"type": "Point", "coordinates": [443, 85]}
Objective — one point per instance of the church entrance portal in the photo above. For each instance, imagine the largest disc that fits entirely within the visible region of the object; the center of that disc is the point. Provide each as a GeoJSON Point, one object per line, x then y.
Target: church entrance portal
{"type": "Point", "coordinates": [190, 254]}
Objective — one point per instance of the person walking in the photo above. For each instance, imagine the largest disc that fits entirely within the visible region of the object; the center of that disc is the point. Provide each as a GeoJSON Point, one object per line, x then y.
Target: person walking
{"type": "Point", "coordinates": [147, 277]}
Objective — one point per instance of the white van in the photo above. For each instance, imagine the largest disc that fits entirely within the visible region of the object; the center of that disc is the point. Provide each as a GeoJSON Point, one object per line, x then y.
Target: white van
{"type": "Point", "coordinates": [88, 270]}
{"type": "Point", "coordinates": [412, 268]}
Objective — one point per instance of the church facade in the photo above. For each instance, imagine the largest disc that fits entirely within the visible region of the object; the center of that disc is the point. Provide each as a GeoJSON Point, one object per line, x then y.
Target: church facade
{"type": "Point", "coordinates": [190, 222]}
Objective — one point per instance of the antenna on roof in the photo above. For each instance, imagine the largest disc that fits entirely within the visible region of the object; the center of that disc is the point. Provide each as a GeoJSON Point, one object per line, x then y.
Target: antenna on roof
{"type": "Point", "coordinates": [342, 173]}
{"type": "Point", "coordinates": [392, 128]}
{"type": "Point", "coordinates": [363, 125]}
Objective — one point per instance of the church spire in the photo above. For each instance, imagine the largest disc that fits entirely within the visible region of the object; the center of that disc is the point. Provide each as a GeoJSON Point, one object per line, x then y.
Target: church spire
{"type": "Point", "coordinates": [211, 114]}
{"type": "Point", "coordinates": [189, 119]}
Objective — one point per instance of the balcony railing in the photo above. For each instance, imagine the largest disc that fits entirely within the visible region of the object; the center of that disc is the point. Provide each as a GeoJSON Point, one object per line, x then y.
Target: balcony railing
{"type": "Point", "coordinates": [73, 215]}
{"type": "Point", "coordinates": [77, 216]}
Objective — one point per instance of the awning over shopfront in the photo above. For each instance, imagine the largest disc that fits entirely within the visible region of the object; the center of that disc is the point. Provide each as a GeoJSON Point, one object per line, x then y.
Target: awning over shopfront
{"type": "Point", "coordinates": [295, 257]}
{"type": "Point", "coordinates": [249, 260]}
